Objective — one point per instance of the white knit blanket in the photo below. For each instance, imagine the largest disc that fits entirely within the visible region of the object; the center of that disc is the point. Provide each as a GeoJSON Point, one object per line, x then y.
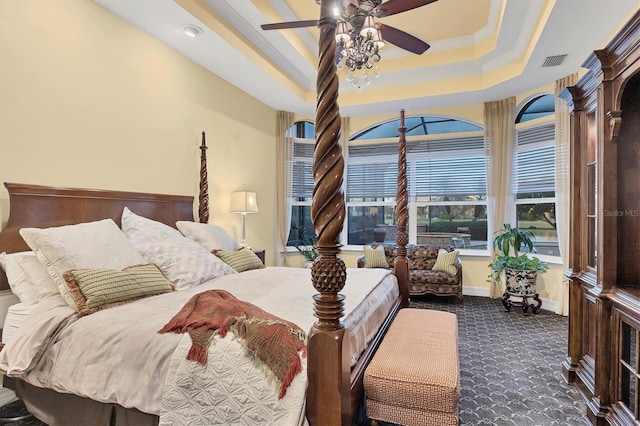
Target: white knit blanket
{"type": "Point", "coordinates": [229, 390]}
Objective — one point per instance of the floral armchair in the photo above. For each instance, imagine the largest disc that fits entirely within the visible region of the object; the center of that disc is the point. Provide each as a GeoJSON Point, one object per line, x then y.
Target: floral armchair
{"type": "Point", "coordinates": [445, 280]}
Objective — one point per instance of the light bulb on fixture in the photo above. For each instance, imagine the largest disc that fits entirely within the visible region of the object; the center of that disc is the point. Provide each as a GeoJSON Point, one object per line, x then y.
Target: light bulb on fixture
{"type": "Point", "coordinates": [368, 28]}
{"type": "Point", "coordinates": [342, 32]}
{"type": "Point", "coordinates": [377, 39]}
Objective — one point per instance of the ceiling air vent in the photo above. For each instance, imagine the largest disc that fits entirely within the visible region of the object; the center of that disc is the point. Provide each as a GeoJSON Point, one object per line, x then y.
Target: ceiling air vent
{"type": "Point", "coordinates": [553, 61]}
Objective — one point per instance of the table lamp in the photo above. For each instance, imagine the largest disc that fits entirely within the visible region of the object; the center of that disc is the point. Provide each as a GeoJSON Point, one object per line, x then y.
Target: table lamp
{"type": "Point", "coordinates": [243, 202]}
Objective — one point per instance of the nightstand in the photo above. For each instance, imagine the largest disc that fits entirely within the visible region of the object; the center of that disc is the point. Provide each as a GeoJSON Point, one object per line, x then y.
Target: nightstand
{"type": "Point", "coordinates": [260, 254]}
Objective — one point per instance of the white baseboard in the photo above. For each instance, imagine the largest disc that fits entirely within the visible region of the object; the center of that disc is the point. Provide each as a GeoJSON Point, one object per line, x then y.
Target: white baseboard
{"type": "Point", "coordinates": [475, 291]}
{"type": "Point", "coordinates": [547, 304]}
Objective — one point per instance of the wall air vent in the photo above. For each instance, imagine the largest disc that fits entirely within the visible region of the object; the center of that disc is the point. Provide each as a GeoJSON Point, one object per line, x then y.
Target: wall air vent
{"type": "Point", "coordinates": [553, 61]}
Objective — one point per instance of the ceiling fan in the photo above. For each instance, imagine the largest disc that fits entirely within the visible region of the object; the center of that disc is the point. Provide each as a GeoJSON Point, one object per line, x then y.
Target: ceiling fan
{"type": "Point", "coordinates": [358, 13]}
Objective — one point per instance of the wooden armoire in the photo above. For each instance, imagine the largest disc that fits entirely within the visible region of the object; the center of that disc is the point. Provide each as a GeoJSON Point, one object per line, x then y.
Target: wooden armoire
{"type": "Point", "coordinates": [604, 323]}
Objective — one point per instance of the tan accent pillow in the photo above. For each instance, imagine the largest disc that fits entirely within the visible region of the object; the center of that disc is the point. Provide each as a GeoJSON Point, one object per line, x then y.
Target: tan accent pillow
{"type": "Point", "coordinates": [374, 257]}
{"type": "Point", "coordinates": [96, 289]}
{"type": "Point", "coordinates": [446, 262]}
{"type": "Point", "coordinates": [242, 259]}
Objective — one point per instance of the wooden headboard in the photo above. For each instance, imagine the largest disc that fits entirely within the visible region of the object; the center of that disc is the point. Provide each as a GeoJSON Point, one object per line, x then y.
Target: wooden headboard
{"type": "Point", "coordinates": [45, 206]}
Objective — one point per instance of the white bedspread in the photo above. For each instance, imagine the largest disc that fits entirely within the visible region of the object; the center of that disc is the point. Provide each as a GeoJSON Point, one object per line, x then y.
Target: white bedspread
{"type": "Point", "coordinates": [230, 390]}
{"type": "Point", "coordinates": [16, 314]}
{"type": "Point", "coordinates": [117, 356]}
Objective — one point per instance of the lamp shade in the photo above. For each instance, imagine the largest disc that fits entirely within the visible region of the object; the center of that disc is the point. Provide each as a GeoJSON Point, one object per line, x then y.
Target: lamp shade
{"type": "Point", "coordinates": [342, 32]}
{"type": "Point", "coordinates": [368, 28]}
{"type": "Point", "coordinates": [243, 202]}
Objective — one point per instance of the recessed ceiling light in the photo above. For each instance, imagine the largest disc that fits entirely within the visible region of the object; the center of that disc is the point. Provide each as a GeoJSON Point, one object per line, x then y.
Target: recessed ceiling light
{"type": "Point", "coordinates": [191, 30]}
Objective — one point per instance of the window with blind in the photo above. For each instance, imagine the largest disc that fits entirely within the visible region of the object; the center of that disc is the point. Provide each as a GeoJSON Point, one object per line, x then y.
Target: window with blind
{"type": "Point", "coordinates": [372, 176]}
{"type": "Point", "coordinates": [303, 134]}
{"type": "Point", "coordinates": [447, 190]}
{"type": "Point", "coordinates": [447, 184]}
{"type": "Point", "coordinates": [534, 184]}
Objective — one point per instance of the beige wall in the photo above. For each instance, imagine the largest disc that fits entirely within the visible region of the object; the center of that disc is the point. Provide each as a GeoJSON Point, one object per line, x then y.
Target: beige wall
{"type": "Point", "coordinates": [88, 100]}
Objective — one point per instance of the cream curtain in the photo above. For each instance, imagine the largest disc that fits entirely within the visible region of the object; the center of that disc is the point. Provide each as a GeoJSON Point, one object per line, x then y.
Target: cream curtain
{"type": "Point", "coordinates": [344, 141]}
{"type": "Point", "coordinates": [284, 169]}
{"type": "Point", "coordinates": [562, 136]}
{"type": "Point", "coordinates": [499, 121]}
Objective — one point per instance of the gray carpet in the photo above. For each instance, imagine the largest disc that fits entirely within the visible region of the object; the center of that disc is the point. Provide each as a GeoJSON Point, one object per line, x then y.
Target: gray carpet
{"type": "Point", "coordinates": [509, 366]}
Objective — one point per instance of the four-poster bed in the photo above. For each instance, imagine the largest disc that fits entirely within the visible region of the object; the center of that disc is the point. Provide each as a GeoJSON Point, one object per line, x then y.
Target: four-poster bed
{"type": "Point", "coordinates": [334, 389]}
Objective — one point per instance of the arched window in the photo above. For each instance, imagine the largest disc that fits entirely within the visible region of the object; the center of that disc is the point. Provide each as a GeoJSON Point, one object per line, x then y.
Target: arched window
{"type": "Point", "coordinates": [534, 173]}
{"type": "Point", "coordinates": [416, 126]}
{"type": "Point", "coordinates": [538, 107]}
{"type": "Point", "coordinates": [302, 130]}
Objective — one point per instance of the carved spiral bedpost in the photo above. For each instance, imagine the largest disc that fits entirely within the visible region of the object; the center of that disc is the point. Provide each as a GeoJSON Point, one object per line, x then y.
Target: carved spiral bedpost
{"type": "Point", "coordinates": [328, 392]}
{"type": "Point", "coordinates": [401, 265]}
{"type": "Point", "coordinates": [203, 199]}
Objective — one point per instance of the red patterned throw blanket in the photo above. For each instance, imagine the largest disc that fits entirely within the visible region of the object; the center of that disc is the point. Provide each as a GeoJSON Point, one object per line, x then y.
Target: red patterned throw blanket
{"type": "Point", "coordinates": [268, 339]}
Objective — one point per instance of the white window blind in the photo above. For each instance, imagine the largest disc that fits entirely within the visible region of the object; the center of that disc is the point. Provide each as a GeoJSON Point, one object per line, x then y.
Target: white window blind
{"type": "Point", "coordinates": [534, 162]}
{"type": "Point", "coordinates": [302, 185]}
{"type": "Point", "coordinates": [372, 180]}
{"type": "Point", "coordinates": [450, 166]}
{"type": "Point", "coordinates": [441, 177]}
{"type": "Point", "coordinates": [454, 166]}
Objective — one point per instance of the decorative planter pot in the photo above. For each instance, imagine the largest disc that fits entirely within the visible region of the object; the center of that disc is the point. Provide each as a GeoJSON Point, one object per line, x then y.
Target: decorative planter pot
{"type": "Point", "coordinates": [520, 283]}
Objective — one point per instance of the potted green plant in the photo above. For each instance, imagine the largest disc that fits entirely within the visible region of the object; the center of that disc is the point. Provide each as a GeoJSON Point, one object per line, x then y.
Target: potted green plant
{"type": "Point", "coordinates": [520, 270]}
{"type": "Point", "coordinates": [307, 246]}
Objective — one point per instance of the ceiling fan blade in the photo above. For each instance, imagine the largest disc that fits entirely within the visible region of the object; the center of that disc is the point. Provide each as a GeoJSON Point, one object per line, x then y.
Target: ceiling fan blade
{"type": "Point", "coordinates": [392, 7]}
{"type": "Point", "coordinates": [403, 40]}
{"type": "Point", "coordinates": [292, 24]}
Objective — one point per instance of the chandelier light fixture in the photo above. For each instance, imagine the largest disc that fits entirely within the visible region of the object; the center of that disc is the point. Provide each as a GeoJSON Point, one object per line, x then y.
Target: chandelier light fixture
{"type": "Point", "coordinates": [359, 38]}
{"type": "Point", "coordinates": [358, 51]}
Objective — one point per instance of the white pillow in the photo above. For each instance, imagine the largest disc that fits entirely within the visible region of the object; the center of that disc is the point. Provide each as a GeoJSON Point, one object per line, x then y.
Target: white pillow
{"type": "Point", "coordinates": [141, 230]}
{"type": "Point", "coordinates": [211, 237]}
{"type": "Point", "coordinates": [94, 245]}
{"type": "Point", "coordinates": [182, 261]}
{"type": "Point", "coordinates": [28, 279]}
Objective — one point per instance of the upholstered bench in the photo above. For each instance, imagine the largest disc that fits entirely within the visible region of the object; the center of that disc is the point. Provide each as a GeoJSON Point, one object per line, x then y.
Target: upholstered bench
{"type": "Point", "coordinates": [414, 377]}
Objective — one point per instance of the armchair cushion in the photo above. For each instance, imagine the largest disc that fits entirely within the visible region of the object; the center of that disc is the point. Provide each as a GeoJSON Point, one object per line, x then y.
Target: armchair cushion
{"type": "Point", "coordinates": [446, 262]}
{"type": "Point", "coordinates": [374, 257]}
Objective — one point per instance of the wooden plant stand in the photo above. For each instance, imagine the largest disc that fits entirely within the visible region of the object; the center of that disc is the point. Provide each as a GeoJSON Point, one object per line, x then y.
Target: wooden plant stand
{"type": "Point", "coordinates": [524, 303]}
